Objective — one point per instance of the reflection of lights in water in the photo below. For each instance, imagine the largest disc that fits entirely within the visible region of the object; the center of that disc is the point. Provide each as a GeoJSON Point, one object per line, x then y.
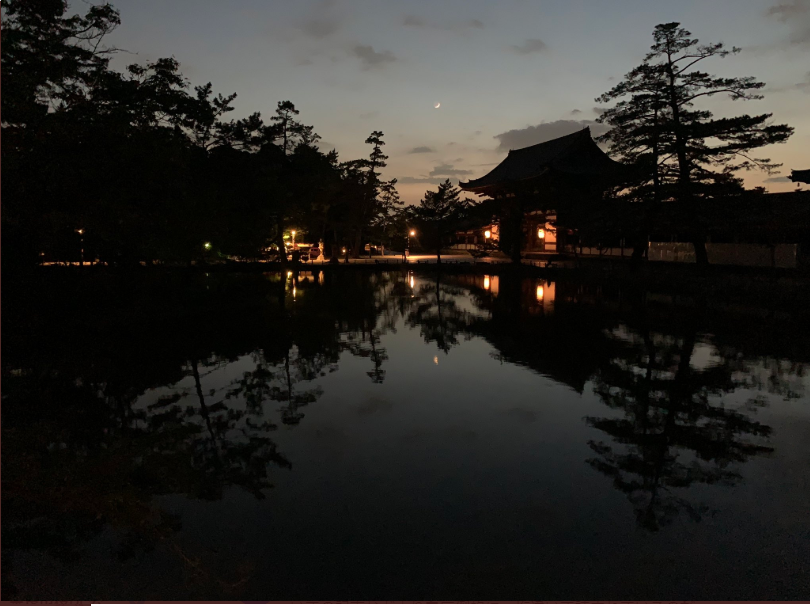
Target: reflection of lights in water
{"type": "Point", "coordinates": [294, 291]}
{"type": "Point", "coordinates": [320, 277]}
{"type": "Point", "coordinates": [486, 282]}
{"type": "Point", "coordinates": [412, 281]}
{"type": "Point", "coordinates": [539, 293]}
{"type": "Point", "coordinates": [435, 359]}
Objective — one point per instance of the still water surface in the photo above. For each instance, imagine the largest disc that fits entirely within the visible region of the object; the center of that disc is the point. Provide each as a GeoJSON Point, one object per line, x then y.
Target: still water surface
{"type": "Point", "coordinates": [397, 436]}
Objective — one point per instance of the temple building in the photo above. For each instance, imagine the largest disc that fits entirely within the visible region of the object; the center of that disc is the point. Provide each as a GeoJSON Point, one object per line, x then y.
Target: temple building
{"type": "Point", "coordinates": [535, 189]}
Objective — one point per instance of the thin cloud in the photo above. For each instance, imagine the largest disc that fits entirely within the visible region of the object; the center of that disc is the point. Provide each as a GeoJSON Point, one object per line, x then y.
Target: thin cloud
{"type": "Point", "coordinates": [545, 131]}
{"type": "Point", "coordinates": [322, 21]}
{"type": "Point", "coordinates": [574, 112]}
{"type": "Point", "coordinates": [778, 180]}
{"type": "Point", "coordinates": [529, 46]}
{"type": "Point", "coordinates": [803, 86]}
{"type": "Point", "coordinates": [457, 26]}
{"type": "Point", "coordinates": [422, 149]}
{"type": "Point", "coordinates": [371, 59]}
{"type": "Point", "coordinates": [320, 27]}
{"type": "Point", "coordinates": [447, 170]}
{"type": "Point", "coordinates": [796, 16]}
{"type": "Point", "coordinates": [408, 180]}
{"type": "Point", "coordinates": [414, 21]}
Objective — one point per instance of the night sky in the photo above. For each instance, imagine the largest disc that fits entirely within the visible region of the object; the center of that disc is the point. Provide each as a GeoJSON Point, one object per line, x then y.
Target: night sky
{"type": "Point", "coordinates": [507, 74]}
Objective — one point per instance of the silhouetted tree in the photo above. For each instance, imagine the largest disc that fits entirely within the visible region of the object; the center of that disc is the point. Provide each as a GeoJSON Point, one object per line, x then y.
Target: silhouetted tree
{"type": "Point", "coordinates": [440, 214]}
{"type": "Point", "coordinates": [684, 152]}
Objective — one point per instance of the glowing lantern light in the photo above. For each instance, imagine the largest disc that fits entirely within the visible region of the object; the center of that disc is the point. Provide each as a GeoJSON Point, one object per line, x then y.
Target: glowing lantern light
{"type": "Point", "coordinates": [289, 274]}
{"type": "Point", "coordinates": [539, 293]}
{"type": "Point", "coordinates": [486, 282]}
{"type": "Point", "coordinates": [541, 233]}
{"type": "Point", "coordinates": [207, 246]}
{"type": "Point", "coordinates": [487, 234]}
{"type": "Point", "coordinates": [412, 281]}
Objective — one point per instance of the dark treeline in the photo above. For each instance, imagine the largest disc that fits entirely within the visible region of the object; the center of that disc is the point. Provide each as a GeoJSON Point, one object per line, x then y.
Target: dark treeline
{"type": "Point", "coordinates": [137, 167]}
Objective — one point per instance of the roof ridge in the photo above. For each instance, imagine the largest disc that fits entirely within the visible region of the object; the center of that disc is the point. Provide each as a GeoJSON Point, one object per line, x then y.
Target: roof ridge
{"type": "Point", "coordinates": [573, 136]}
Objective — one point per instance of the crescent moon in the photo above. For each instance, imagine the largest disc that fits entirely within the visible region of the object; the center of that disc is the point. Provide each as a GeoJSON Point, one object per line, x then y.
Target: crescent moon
{"type": "Point", "coordinates": [437, 106]}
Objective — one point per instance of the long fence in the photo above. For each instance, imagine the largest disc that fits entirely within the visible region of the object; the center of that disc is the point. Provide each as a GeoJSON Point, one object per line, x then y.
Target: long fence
{"type": "Point", "coordinates": [750, 255]}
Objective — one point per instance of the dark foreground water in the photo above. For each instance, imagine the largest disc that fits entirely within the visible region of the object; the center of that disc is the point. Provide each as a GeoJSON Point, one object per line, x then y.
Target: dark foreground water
{"type": "Point", "coordinates": [358, 436]}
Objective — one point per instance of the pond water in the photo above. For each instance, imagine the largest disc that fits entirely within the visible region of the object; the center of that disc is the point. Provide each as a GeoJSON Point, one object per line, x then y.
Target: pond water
{"type": "Point", "coordinates": [349, 435]}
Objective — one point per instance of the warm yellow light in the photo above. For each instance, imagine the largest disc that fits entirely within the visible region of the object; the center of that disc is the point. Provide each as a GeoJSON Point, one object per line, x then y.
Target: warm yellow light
{"type": "Point", "coordinates": [344, 250]}
{"type": "Point", "coordinates": [539, 293]}
{"type": "Point", "coordinates": [80, 231]}
{"type": "Point", "coordinates": [541, 233]}
{"type": "Point", "coordinates": [413, 232]}
{"type": "Point", "coordinates": [289, 274]}
{"type": "Point", "coordinates": [435, 359]}
{"type": "Point", "coordinates": [487, 234]}
{"type": "Point", "coordinates": [207, 246]}
{"type": "Point", "coordinates": [293, 232]}
{"type": "Point", "coordinates": [412, 281]}
{"type": "Point", "coordinates": [486, 282]}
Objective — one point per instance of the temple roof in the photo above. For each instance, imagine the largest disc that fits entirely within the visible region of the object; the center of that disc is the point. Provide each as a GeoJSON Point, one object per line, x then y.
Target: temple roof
{"type": "Point", "coordinates": [574, 154]}
{"type": "Point", "coordinates": [800, 176]}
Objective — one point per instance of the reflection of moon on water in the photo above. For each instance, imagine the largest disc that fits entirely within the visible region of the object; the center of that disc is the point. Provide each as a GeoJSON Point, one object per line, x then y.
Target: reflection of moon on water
{"type": "Point", "coordinates": [437, 106]}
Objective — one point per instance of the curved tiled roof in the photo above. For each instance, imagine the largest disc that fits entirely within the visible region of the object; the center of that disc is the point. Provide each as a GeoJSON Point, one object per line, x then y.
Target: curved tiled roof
{"type": "Point", "coordinates": [575, 154]}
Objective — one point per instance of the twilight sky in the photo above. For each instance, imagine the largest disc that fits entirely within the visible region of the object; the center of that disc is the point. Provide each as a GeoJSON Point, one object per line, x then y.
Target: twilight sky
{"type": "Point", "coordinates": [508, 74]}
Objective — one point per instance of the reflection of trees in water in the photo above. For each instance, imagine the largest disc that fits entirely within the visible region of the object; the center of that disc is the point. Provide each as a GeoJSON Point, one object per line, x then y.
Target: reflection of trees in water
{"type": "Point", "coordinates": [674, 431]}
{"type": "Point", "coordinates": [84, 451]}
{"type": "Point", "coordinates": [435, 310]}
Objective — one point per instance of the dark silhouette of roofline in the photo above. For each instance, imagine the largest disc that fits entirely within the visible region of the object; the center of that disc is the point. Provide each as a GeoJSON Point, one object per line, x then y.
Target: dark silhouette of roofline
{"type": "Point", "coordinates": [574, 154]}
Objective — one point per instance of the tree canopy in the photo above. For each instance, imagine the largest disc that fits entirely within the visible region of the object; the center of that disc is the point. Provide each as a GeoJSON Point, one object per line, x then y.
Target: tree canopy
{"type": "Point", "coordinates": [151, 169]}
{"type": "Point", "coordinates": [682, 152]}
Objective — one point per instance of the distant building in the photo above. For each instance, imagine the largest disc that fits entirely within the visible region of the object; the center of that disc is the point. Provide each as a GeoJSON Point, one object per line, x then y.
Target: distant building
{"type": "Point", "coordinates": [542, 184]}
{"type": "Point", "coordinates": [546, 190]}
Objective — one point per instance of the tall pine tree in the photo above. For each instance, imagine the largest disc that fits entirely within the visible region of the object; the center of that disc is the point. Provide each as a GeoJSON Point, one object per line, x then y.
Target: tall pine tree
{"type": "Point", "coordinates": [684, 153]}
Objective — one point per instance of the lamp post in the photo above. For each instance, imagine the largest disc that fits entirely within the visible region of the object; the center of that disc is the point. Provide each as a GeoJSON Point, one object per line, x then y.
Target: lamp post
{"type": "Point", "coordinates": [80, 231]}
{"type": "Point", "coordinates": [293, 239]}
{"type": "Point", "coordinates": [411, 232]}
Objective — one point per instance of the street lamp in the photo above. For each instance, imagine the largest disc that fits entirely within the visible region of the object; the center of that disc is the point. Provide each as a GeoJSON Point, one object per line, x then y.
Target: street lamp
{"type": "Point", "coordinates": [80, 231]}
{"type": "Point", "coordinates": [411, 232]}
{"type": "Point", "coordinates": [487, 234]}
{"type": "Point", "coordinates": [207, 246]}
{"type": "Point", "coordinates": [293, 239]}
